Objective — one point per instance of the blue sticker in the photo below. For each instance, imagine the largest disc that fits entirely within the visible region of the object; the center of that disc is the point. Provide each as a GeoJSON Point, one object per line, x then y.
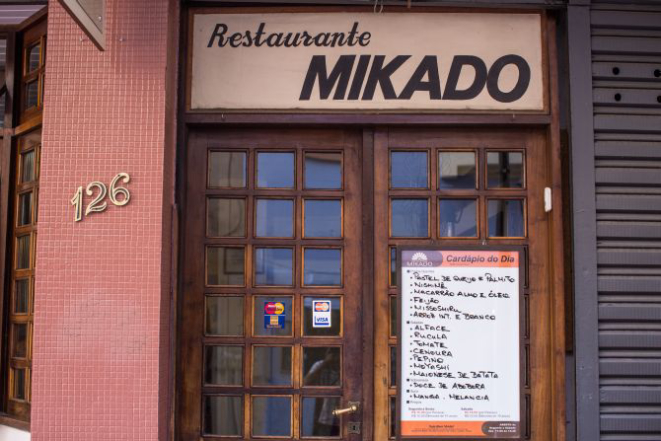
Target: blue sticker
{"type": "Point", "coordinates": [274, 321]}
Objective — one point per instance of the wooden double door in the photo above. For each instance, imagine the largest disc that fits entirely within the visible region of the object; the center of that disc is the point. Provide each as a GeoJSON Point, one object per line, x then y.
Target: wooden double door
{"type": "Point", "coordinates": [287, 309]}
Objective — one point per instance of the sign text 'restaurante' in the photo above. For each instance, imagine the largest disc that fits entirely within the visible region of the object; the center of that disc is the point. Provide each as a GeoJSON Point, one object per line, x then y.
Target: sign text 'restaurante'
{"type": "Point", "coordinates": [367, 62]}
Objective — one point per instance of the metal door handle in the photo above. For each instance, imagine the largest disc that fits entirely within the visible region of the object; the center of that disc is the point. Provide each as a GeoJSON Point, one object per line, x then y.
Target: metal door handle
{"type": "Point", "coordinates": [353, 407]}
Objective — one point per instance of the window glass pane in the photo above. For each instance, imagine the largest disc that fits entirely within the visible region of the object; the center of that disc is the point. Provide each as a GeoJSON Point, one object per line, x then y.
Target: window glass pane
{"type": "Point", "coordinates": [23, 252]}
{"type": "Point", "coordinates": [271, 366]}
{"type": "Point", "coordinates": [20, 340]}
{"type": "Point", "coordinates": [409, 218]}
{"type": "Point", "coordinates": [25, 209]}
{"type": "Point", "coordinates": [271, 416]}
{"type": "Point", "coordinates": [321, 366]}
{"type": "Point", "coordinates": [323, 170]}
{"type": "Point", "coordinates": [33, 57]}
{"type": "Point", "coordinates": [274, 266]}
{"type": "Point", "coordinates": [505, 169]}
{"type": "Point", "coordinates": [393, 316]}
{"type": "Point", "coordinates": [275, 170]}
{"type": "Point", "coordinates": [226, 217]}
{"type": "Point", "coordinates": [318, 419]}
{"type": "Point", "coordinates": [227, 169]}
{"type": "Point", "coordinates": [19, 383]}
{"type": "Point", "coordinates": [31, 94]}
{"type": "Point", "coordinates": [323, 218]}
{"type": "Point", "coordinates": [393, 266]}
{"type": "Point", "coordinates": [274, 218]}
{"type": "Point", "coordinates": [2, 109]}
{"type": "Point", "coordinates": [456, 170]}
{"type": "Point", "coordinates": [408, 170]}
{"type": "Point", "coordinates": [393, 366]}
{"type": "Point", "coordinates": [506, 218]}
{"type": "Point", "coordinates": [224, 365]}
{"type": "Point", "coordinates": [457, 218]}
{"type": "Point", "coordinates": [322, 316]}
{"type": "Point", "coordinates": [272, 316]}
{"type": "Point", "coordinates": [393, 417]}
{"type": "Point", "coordinates": [21, 296]}
{"type": "Point", "coordinates": [224, 316]}
{"type": "Point", "coordinates": [223, 416]}
{"type": "Point", "coordinates": [225, 266]}
{"type": "Point", "coordinates": [27, 166]}
{"type": "Point", "coordinates": [323, 267]}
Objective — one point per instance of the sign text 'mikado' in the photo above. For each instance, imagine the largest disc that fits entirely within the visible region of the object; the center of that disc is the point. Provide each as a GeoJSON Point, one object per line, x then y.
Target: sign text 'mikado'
{"type": "Point", "coordinates": [337, 61]}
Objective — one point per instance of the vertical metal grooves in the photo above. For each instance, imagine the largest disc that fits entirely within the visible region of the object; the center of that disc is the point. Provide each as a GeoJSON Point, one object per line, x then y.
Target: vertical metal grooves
{"type": "Point", "coordinates": [626, 92]}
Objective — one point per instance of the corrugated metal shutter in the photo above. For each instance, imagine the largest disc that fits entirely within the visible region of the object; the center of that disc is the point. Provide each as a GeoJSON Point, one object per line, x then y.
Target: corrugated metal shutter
{"type": "Point", "coordinates": [626, 69]}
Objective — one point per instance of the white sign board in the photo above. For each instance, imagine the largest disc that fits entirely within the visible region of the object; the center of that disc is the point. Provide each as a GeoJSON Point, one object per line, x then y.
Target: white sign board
{"type": "Point", "coordinates": [367, 61]}
{"type": "Point", "coordinates": [459, 344]}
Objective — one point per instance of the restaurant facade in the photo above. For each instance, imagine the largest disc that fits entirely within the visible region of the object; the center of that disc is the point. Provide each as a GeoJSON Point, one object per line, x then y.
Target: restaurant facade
{"type": "Point", "coordinates": [331, 220]}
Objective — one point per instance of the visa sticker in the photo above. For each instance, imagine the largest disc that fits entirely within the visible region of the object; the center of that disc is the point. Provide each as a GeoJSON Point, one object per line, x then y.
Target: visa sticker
{"type": "Point", "coordinates": [321, 313]}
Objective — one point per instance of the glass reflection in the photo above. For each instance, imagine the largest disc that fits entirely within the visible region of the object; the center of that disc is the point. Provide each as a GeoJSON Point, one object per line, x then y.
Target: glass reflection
{"type": "Point", "coordinates": [323, 267]}
{"type": "Point", "coordinates": [321, 366]}
{"type": "Point", "coordinates": [393, 417]}
{"type": "Point", "coordinates": [505, 169]}
{"type": "Point", "coordinates": [393, 316]}
{"type": "Point", "coordinates": [274, 218]}
{"type": "Point", "coordinates": [318, 419]}
{"type": "Point", "coordinates": [23, 252]}
{"type": "Point", "coordinates": [506, 218]}
{"type": "Point", "coordinates": [323, 218]}
{"type": "Point", "coordinates": [275, 170]}
{"type": "Point", "coordinates": [33, 55]}
{"type": "Point", "coordinates": [272, 316]}
{"type": "Point", "coordinates": [19, 383]}
{"type": "Point", "coordinates": [227, 169]}
{"type": "Point", "coordinates": [20, 344]}
{"type": "Point", "coordinates": [27, 166]}
{"type": "Point", "coordinates": [224, 316]}
{"type": "Point", "coordinates": [393, 266]}
{"type": "Point", "coordinates": [271, 365]}
{"type": "Point", "coordinates": [409, 218]}
{"type": "Point", "coordinates": [457, 218]}
{"type": "Point", "coordinates": [315, 309]}
{"type": "Point", "coordinates": [223, 416]}
{"type": "Point", "coordinates": [323, 170]}
{"type": "Point", "coordinates": [225, 266]}
{"type": "Point", "coordinates": [408, 170]}
{"type": "Point", "coordinates": [393, 366]}
{"type": "Point", "coordinates": [32, 94]}
{"type": "Point", "coordinates": [224, 365]}
{"type": "Point", "coordinates": [273, 266]}
{"type": "Point", "coordinates": [456, 170]}
{"type": "Point", "coordinates": [226, 217]}
{"type": "Point", "coordinates": [25, 209]}
{"type": "Point", "coordinates": [271, 416]}
{"type": "Point", "coordinates": [21, 296]}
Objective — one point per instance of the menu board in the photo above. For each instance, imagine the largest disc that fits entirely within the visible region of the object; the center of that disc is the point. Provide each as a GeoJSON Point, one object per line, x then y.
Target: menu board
{"type": "Point", "coordinates": [459, 344]}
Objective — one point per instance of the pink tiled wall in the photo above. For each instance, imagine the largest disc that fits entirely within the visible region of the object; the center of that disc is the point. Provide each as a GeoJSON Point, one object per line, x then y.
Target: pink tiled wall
{"type": "Point", "coordinates": [101, 336]}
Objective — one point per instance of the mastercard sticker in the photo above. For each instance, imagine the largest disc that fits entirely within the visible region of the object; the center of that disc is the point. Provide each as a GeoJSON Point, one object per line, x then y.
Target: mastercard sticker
{"type": "Point", "coordinates": [321, 313]}
{"type": "Point", "coordinates": [274, 315]}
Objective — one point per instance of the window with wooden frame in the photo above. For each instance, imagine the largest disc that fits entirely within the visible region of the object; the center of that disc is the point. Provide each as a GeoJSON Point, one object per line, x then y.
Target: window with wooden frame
{"type": "Point", "coordinates": [21, 146]}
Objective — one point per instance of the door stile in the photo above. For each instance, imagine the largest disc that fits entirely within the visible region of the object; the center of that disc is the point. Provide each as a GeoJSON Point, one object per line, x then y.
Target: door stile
{"type": "Point", "coordinates": [381, 297]}
{"type": "Point", "coordinates": [368, 282]}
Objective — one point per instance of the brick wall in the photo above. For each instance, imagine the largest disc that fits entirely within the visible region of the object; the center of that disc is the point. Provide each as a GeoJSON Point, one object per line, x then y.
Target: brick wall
{"type": "Point", "coordinates": [101, 336]}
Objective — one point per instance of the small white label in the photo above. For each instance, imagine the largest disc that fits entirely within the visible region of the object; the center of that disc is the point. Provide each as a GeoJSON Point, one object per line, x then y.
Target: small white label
{"type": "Point", "coordinates": [321, 314]}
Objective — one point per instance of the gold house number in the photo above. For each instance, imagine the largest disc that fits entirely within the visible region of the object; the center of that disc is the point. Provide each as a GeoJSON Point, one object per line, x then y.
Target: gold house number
{"type": "Point", "coordinates": [118, 195]}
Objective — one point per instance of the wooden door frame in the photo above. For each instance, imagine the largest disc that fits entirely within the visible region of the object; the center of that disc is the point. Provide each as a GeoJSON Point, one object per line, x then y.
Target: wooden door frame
{"type": "Point", "coordinates": [549, 122]}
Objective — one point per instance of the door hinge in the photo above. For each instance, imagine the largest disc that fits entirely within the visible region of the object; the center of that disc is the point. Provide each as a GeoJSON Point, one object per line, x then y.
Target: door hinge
{"type": "Point", "coordinates": [548, 199]}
